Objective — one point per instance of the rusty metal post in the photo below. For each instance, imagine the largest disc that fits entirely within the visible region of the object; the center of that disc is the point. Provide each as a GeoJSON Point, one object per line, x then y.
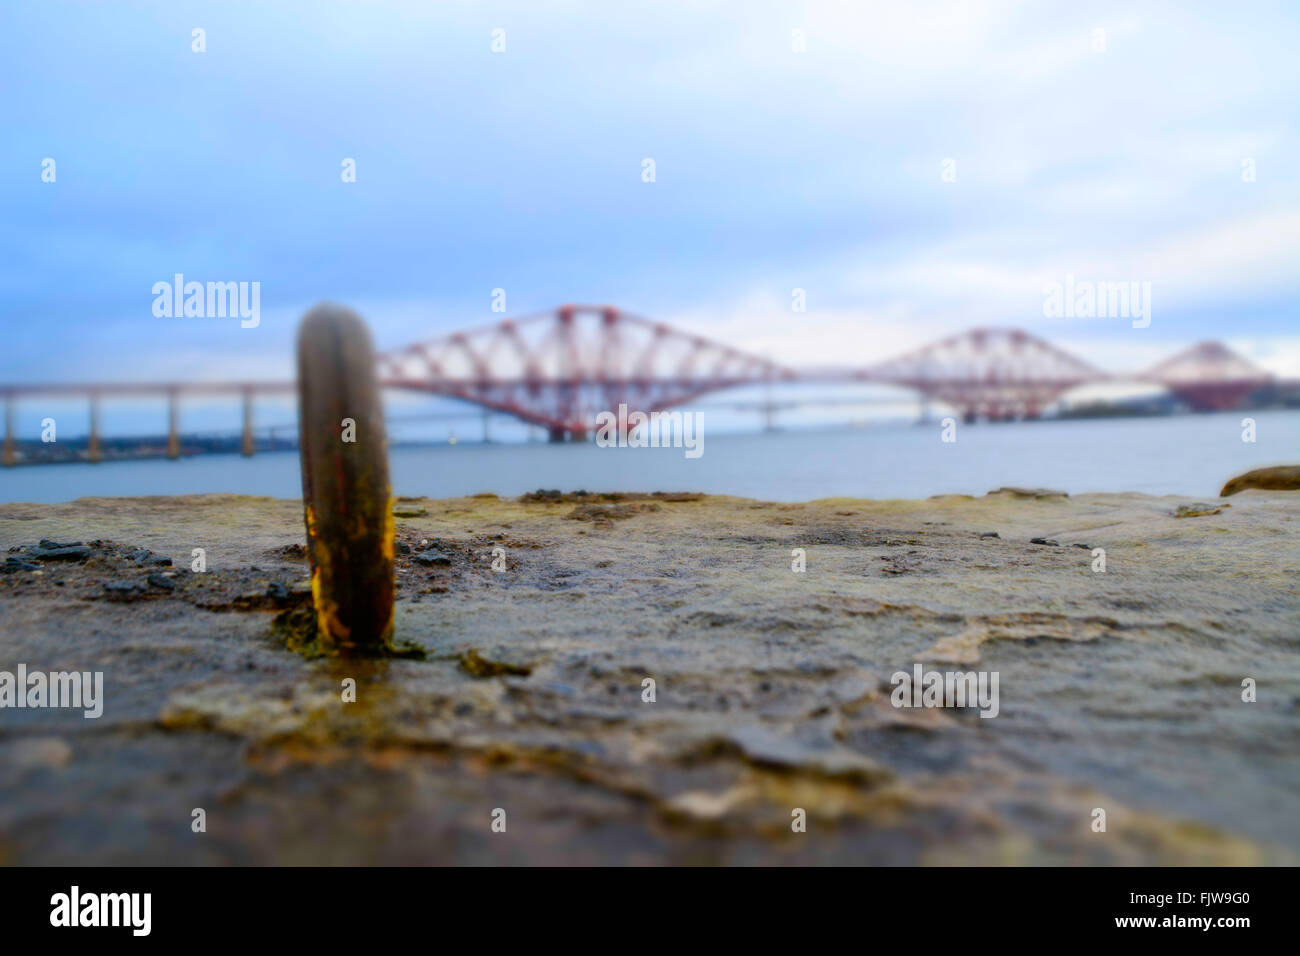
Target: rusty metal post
{"type": "Point", "coordinates": [173, 425]}
{"type": "Point", "coordinates": [92, 451]}
{"type": "Point", "coordinates": [246, 447]}
{"type": "Point", "coordinates": [347, 499]}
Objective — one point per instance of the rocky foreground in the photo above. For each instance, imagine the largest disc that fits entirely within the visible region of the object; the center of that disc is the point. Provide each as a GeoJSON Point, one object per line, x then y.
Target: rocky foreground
{"type": "Point", "coordinates": [1119, 690]}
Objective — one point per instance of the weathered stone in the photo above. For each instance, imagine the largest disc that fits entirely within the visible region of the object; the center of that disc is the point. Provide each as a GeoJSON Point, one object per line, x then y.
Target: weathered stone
{"type": "Point", "coordinates": [71, 552]}
{"type": "Point", "coordinates": [1279, 478]}
{"type": "Point", "coordinates": [1029, 492]}
{"type": "Point", "coordinates": [771, 689]}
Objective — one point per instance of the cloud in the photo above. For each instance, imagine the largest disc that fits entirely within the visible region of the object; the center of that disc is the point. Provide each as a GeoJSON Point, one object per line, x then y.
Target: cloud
{"type": "Point", "coordinates": [777, 170]}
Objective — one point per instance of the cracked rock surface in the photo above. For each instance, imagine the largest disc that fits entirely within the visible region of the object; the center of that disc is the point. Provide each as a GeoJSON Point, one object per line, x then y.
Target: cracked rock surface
{"type": "Point", "coordinates": [1119, 690]}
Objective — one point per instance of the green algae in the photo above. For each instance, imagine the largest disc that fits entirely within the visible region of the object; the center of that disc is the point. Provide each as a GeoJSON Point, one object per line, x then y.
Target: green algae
{"type": "Point", "coordinates": [297, 628]}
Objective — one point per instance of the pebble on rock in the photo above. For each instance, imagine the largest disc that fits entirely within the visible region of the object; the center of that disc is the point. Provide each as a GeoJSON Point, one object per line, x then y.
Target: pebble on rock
{"type": "Point", "coordinates": [123, 588]}
{"type": "Point", "coordinates": [71, 552]}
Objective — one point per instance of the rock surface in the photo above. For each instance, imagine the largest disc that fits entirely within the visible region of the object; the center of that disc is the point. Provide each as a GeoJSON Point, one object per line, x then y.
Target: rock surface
{"type": "Point", "coordinates": [1277, 478]}
{"type": "Point", "coordinates": [1119, 690]}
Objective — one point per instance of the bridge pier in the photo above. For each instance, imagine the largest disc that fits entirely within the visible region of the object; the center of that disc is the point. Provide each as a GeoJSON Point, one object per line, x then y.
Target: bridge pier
{"type": "Point", "coordinates": [173, 425]}
{"type": "Point", "coordinates": [92, 448]}
{"type": "Point", "coordinates": [9, 432]}
{"type": "Point", "coordinates": [246, 441]}
{"type": "Point", "coordinates": [769, 409]}
{"type": "Point", "coordinates": [559, 435]}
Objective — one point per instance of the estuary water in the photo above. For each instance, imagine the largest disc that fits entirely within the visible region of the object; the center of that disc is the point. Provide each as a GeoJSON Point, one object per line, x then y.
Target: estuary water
{"type": "Point", "coordinates": [1184, 455]}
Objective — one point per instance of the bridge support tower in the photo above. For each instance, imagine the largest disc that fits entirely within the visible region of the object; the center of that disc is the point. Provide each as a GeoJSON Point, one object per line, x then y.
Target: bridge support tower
{"type": "Point", "coordinates": [9, 458]}
{"type": "Point", "coordinates": [246, 440]}
{"type": "Point", "coordinates": [173, 425]}
{"type": "Point", "coordinates": [92, 449]}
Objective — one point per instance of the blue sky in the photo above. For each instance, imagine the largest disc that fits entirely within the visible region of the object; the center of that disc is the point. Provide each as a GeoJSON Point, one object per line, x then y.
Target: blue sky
{"type": "Point", "coordinates": [522, 170]}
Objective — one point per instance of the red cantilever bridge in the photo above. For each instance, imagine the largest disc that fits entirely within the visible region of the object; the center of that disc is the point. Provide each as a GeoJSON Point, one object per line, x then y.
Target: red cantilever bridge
{"type": "Point", "coordinates": [559, 369]}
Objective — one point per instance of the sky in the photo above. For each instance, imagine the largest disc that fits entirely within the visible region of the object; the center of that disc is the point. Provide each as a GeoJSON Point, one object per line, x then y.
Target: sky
{"type": "Point", "coordinates": [1107, 141]}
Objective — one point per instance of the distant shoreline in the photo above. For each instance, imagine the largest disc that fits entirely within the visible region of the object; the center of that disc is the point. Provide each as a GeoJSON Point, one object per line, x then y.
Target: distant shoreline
{"type": "Point", "coordinates": [31, 452]}
{"type": "Point", "coordinates": [1178, 455]}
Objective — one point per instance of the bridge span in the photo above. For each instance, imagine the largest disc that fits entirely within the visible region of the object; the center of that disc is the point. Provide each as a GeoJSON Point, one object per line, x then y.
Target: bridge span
{"type": "Point", "coordinates": [559, 369]}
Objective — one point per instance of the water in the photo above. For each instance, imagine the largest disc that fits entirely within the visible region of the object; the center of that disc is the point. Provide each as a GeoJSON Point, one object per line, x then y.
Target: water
{"type": "Point", "coordinates": [1186, 455]}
